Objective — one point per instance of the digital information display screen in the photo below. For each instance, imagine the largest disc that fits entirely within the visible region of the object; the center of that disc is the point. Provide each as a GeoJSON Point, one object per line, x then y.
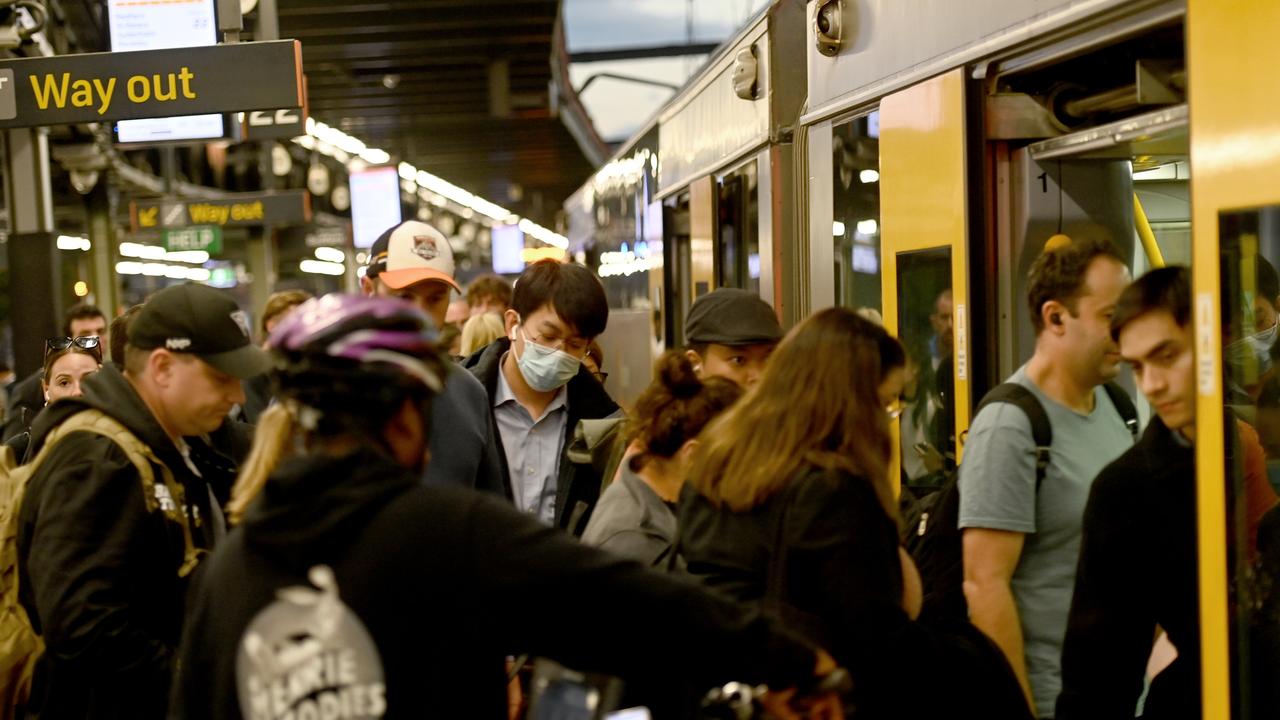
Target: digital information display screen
{"type": "Point", "coordinates": [143, 25]}
{"type": "Point", "coordinates": [375, 203]}
{"type": "Point", "coordinates": [507, 243]}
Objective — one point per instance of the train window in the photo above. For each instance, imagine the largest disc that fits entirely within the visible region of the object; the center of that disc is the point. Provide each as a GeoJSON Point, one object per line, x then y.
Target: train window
{"type": "Point", "coordinates": [677, 264]}
{"type": "Point", "coordinates": [1250, 253]}
{"type": "Point", "coordinates": [737, 259]}
{"type": "Point", "coordinates": [856, 211]}
{"type": "Point", "coordinates": [927, 422]}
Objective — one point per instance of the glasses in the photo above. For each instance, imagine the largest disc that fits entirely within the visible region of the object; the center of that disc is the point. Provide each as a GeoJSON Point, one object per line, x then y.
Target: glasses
{"type": "Point", "coordinates": [574, 346]}
{"type": "Point", "coordinates": [89, 343]}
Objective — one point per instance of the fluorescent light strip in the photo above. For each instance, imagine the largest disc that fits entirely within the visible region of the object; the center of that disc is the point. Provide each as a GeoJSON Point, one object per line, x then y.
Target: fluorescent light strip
{"type": "Point", "coordinates": [342, 147]}
{"type": "Point", "coordinates": [155, 252]}
{"type": "Point", "coordinates": [320, 267]}
{"type": "Point", "coordinates": [71, 242]}
{"type": "Point", "coordinates": [154, 269]}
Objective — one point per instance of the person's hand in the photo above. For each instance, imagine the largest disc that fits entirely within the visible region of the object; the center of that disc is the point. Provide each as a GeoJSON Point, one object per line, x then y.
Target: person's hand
{"type": "Point", "coordinates": [933, 460]}
{"type": "Point", "coordinates": [783, 704]}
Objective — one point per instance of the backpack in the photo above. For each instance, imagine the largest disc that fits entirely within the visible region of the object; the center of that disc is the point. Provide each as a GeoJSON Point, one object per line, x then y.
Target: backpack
{"type": "Point", "coordinates": [933, 536]}
{"type": "Point", "coordinates": [20, 647]}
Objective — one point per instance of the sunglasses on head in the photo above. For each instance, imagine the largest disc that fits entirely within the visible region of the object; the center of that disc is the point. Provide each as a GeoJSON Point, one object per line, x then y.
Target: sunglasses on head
{"type": "Point", "coordinates": [90, 343]}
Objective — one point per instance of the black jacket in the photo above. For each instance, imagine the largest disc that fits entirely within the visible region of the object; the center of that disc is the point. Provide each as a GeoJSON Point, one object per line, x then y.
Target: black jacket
{"type": "Point", "coordinates": [98, 572]}
{"type": "Point", "coordinates": [425, 610]}
{"type": "Point", "coordinates": [824, 552]}
{"type": "Point", "coordinates": [578, 486]}
{"type": "Point", "coordinates": [26, 397]}
{"type": "Point", "coordinates": [1138, 565]}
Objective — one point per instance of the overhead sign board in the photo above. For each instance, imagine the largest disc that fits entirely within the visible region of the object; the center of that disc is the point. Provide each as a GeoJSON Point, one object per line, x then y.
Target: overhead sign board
{"type": "Point", "coordinates": [202, 237]}
{"type": "Point", "coordinates": [148, 25]}
{"type": "Point", "coordinates": [100, 87]}
{"type": "Point", "coordinates": [240, 210]}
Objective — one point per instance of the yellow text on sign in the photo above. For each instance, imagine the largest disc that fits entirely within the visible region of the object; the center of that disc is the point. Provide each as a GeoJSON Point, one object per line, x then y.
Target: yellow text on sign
{"type": "Point", "coordinates": [58, 91]}
{"type": "Point", "coordinates": [206, 214]}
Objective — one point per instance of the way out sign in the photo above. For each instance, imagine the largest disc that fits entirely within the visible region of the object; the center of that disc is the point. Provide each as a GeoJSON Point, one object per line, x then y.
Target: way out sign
{"type": "Point", "coordinates": [235, 210]}
{"type": "Point", "coordinates": [207, 238]}
{"type": "Point", "coordinates": [100, 87]}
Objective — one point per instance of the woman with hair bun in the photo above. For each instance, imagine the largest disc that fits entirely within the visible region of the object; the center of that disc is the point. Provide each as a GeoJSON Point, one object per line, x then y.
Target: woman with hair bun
{"type": "Point", "coordinates": [636, 514]}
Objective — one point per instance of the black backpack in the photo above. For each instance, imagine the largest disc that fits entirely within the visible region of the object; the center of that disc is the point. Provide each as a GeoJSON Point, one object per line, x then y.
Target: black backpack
{"type": "Point", "coordinates": [931, 524]}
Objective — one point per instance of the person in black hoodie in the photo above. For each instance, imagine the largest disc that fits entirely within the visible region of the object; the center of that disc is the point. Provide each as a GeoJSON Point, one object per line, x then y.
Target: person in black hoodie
{"type": "Point", "coordinates": [539, 390]}
{"type": "Point", "coordinates": [101, 575]}
{"type": "Point", "coordinates": [353, 590]}
{"type": "Point", "coordinates": [1138, 556]}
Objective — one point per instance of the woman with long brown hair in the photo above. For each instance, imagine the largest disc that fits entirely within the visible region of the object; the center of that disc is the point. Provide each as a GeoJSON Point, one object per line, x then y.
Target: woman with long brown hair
{"type": "Point", "coordinates": [788, 504]}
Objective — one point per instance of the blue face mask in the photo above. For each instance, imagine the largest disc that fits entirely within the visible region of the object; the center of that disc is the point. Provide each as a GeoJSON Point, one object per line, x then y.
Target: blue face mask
{"type": "Point", "coordinates": [544, 368]}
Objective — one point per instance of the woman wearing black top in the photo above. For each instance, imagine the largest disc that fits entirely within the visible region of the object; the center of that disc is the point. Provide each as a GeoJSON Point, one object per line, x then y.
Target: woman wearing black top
{"type": "Point", "coordinates": [788, 504]}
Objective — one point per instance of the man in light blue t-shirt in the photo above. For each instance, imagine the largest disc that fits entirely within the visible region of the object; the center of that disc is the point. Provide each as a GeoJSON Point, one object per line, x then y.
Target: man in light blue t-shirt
{"type": "Point", "coordinates": [1020, 544]}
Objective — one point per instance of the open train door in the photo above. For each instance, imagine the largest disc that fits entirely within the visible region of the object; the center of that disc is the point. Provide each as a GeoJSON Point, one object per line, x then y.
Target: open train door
{"type": "Point", "coordinates": [924, 260]}
{"type": "Point", "coordinates": [1235, 191]}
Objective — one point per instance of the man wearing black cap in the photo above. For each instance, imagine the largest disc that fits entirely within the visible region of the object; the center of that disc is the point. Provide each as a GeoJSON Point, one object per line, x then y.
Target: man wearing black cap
{"type": "Point", "coordinates": [730, 334]}
{"type": "Point", "coordinates": [413, 261]}
{"type": "Point", "coordinates": [104, 552]}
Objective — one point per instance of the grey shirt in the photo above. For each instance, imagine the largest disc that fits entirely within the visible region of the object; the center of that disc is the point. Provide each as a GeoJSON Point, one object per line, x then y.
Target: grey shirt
{"type": "Point", "coordinates": [532, 448]}
{"type": "Point", "coordinates": [463, 451]}
{"type": "Point", "coordinates": [632, 521]}
{"type": "Point", "coordinates": [998, 491]}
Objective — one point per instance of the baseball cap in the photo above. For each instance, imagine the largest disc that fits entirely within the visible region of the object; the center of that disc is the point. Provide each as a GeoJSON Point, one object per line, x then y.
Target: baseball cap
{"type": "Point", "coordinates": [410, 253]}
{"type": "Point", "coordinates": [731, 316]}
{"type": "Point", "coordinates": [201, 321]}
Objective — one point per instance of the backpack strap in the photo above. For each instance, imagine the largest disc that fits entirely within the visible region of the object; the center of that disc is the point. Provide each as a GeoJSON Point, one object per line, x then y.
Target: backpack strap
{"type": "Point", "coordinates": [1041, 430]}
{"type": "Point", "coordinates": [144, 461]}
{"type": "Point", "coordinates": [1124, 405]}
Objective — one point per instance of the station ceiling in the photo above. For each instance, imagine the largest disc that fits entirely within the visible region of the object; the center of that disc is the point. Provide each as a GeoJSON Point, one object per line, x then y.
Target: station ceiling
{"type": "Point", "coordinates": [460, 88]}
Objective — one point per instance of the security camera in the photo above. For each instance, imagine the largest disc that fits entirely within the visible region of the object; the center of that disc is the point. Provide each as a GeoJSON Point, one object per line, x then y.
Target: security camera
{"type": "Point", "coordinates": [827, 26]}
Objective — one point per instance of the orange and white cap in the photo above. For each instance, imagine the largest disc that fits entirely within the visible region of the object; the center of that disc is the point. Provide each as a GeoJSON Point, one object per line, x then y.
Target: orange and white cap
{"type": "Point", "coordinates": [410, 253]}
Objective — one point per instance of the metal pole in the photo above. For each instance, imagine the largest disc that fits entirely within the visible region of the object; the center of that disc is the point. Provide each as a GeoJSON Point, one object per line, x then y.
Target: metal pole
{"type": "Point", "coordinates": [102, 250]}
{"type": "Point", "coordinates": [35, 277]}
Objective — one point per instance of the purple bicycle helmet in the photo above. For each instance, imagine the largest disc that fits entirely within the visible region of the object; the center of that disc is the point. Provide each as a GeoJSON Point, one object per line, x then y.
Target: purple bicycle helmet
{"type": "Point", "coordinates": [350, 337]}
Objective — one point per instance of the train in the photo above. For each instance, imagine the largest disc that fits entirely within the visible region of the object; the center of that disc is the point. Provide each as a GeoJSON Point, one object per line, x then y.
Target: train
{"type": "Point", "coordinates": [911, 158]}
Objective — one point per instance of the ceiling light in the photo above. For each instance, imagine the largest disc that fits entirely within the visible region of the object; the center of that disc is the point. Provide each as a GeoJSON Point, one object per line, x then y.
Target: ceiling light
{"type": "Point", "coordinates": [71, 242]}
{"type": "Point", "coordinates": [319, 267]}
{"type": "Point", "coordinates": [331, 254]}
{"type": "Point", "coordinates": [869, 176]}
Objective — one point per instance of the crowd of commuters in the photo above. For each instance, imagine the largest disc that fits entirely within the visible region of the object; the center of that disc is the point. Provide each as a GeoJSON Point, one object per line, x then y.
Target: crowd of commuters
{"type": "Point", "coordinates": [412, 520]}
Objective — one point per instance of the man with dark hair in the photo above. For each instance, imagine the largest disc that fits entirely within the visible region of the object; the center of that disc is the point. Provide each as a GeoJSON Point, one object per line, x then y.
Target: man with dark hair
{"type": "Point", "coordinates": [730, 333]}
{"type": "Point", "coordinates": [27, 396]}
{"type": "Point", "coordinates": [1266, 300]}
{"type": "Point", "coordinates": [1020, 535]}
{"type": "Point", "coordinates": [120, 333]}
{"type": "Point", "coordinates": [104, 548]}
{"type": "Point", "coordinates": [1138, 558]}
{"type": "Point", "coordinates": [414, 262]}
{"type": "Point", "coordinates": [539, 390]}
{"type": "Point", "coordinates": [488, 294]}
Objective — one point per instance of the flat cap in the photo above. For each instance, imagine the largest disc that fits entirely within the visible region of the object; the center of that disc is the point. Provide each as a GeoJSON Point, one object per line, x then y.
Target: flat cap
{"type": "Point", "coordinates": [730, 316]}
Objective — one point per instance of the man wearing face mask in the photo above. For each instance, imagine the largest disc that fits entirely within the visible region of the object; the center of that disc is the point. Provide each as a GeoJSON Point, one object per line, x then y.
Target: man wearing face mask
{"type": "Point", "coordinates": [539, 390]}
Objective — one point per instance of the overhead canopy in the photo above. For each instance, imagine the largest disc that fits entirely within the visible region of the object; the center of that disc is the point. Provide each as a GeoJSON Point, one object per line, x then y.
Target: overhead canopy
{"type": "Point", "coordinates": [460, 88]}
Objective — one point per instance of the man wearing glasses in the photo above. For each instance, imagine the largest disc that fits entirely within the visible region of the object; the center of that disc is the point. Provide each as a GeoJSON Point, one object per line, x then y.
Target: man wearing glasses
{"type": "Point", "coordinates": [539, 389]}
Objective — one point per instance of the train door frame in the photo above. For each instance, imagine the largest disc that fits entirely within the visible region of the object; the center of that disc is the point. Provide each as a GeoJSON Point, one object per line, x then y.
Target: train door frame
{"type": "Point", "coordinates": [924, 205]}
{"type": "Point", "coordinates": [1235, 162]}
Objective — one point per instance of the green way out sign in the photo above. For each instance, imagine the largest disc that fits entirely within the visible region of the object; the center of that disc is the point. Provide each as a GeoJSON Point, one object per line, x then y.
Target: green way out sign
{"type": "Point", "coordinates": [207, 238]}
{"type": "Point", "coordinates": [101, 87]}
